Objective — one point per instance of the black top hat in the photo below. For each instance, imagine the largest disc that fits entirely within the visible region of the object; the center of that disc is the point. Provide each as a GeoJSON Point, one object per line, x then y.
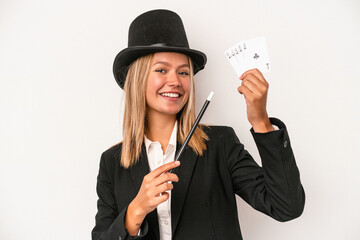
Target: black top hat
{"type": "Point", "coordinates": [155, 31]}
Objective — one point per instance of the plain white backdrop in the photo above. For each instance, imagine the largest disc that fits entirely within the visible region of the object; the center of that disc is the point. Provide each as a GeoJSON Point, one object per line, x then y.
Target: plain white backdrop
{"type": "Point", "coordinates": [61, 107]}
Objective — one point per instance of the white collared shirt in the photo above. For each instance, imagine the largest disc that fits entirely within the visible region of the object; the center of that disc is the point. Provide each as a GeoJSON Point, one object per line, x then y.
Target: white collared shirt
{"type": "Point", "coordinates": [156, 158]}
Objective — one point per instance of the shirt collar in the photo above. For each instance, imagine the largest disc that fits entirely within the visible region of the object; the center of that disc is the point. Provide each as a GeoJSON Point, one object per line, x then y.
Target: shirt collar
{"type": "Point", "coordinates": [172, 141]}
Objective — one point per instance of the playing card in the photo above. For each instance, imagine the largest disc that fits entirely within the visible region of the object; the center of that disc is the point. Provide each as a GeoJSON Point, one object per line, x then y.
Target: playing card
{"type": "Point", "coordinates": [240, 50]}
{"type": "Point", "coordinates": [256, 54]}
{"type": "Point", "coordinates": [249, 54]}
{"type": "Point", "coordinates": [230, 55]}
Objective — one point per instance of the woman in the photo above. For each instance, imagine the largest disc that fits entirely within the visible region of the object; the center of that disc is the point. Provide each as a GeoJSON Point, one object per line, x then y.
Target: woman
{"type": "Point", "coordinates": [138, 197]}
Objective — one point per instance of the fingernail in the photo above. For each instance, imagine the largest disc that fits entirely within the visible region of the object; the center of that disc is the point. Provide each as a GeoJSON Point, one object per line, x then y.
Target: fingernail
{"type": "Point", "coordinates": [177, 162]}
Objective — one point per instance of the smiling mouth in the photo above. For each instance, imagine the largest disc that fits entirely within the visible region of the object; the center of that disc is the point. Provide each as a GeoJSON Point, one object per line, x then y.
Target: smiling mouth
{"type": "Point", "coordinates": [172, 95]}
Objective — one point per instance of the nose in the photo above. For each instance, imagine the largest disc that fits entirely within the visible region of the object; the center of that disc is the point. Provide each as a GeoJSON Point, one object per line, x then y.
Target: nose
{"type": "Point", "coordinates": [173, 79]}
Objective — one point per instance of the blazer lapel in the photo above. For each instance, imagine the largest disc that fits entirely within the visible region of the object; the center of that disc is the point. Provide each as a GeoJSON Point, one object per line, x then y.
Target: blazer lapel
{"type": "Point", "coordinates": [140, 169]}
{"type": "Point", "coordinates": [178, 193]}
{"type": "Point", "coordinates": [138, 172]}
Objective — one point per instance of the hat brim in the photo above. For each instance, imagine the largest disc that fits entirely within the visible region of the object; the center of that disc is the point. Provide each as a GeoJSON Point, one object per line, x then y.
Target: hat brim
{"type": "Point", "coordinates": [124, 58]}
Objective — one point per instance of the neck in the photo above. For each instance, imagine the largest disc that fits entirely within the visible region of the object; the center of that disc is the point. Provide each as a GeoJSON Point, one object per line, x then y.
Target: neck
{"type": "Point", "coordinates": [159, 128]}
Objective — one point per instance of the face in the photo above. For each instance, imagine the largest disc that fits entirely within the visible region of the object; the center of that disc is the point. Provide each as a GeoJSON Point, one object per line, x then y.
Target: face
{"type": "Point", "coordinates": [168, 83]}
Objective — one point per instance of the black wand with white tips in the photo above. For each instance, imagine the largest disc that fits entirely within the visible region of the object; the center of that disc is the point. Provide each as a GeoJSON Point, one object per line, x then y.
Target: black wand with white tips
{"type": "Point", "coordinates": [201, 113]}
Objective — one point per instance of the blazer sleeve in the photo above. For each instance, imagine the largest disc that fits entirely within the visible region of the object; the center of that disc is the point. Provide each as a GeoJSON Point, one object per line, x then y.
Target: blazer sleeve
{"type": "Point", "coordinates": [275, 188]}
{"type": "Point", "coordinates": [110, 223]}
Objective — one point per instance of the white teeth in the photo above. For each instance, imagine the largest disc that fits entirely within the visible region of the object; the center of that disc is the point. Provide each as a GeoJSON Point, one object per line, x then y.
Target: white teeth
{"type": "Point", "coordinates": [173, 95]}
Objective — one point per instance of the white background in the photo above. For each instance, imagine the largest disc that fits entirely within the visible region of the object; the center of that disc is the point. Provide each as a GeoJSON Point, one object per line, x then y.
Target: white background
{"type": "Point", "coordinates": [61, 107]}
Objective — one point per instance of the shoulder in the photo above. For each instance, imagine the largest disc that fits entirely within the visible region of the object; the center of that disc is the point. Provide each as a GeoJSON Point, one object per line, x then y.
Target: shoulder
{"type": "Point", "coordinates": [218, 132]}
{"type": "Point", "coordinates": [111, 156]}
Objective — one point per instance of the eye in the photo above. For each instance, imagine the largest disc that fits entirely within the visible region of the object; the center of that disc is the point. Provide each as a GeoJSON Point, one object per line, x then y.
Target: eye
{"type": "Point", "coordinates": [160, 70]}
{"type": "Point", "coordinates": [185, 73]}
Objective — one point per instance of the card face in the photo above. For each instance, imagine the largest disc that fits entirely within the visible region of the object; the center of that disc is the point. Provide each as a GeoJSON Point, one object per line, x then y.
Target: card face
{"type": "Point", "coordinates": [230, 54]}
{"type": "Point", "coordinates": [240, 49]}
{"type": "Point", "coordinates": [257, 55]}
{"type": "Point", "coordinates": [249, 54]}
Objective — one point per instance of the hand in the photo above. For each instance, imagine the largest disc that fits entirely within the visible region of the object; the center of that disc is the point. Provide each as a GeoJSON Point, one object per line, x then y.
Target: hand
{"type": "Point", "coordinates": [152, 192]}
{"type": "Point", "coordinates": [254, 87]}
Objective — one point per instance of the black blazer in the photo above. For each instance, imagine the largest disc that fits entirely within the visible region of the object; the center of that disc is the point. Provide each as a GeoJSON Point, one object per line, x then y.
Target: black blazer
{"type": "Point", "coordinates": [203, 204]}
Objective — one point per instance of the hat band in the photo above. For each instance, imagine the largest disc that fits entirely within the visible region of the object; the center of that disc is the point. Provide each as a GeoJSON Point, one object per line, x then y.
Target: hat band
{"type": "Point", "coordinates": [166, 45]}
{"type": "Point", "coordinates": [159, 45]}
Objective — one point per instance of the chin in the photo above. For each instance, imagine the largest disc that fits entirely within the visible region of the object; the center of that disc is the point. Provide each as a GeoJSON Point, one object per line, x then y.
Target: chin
{"type": "Point", "coordinates": [171, 111]}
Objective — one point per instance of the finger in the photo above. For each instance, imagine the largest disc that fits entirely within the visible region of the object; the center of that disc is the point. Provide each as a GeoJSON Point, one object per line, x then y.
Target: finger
{"type": "Point", "coordinates": [166, 186]}
{"type": "Point", "coordinates": [256, 78]}
{"type": "Point", "coordinates": [261, 87]}
{"type": "Point", "coordinates": [251, 86]}
{"type": "Point", "coordinates": [166, 177]}
{"type": "Point", "coordinates": [245, 91]}
{"type": "Point", "coordinates": [252, 78]}
{"type": "Point", "coordinates": [160, 170]}
{"type": "Point", "coordinates": [240, 90]}
{"type": "Point", "coordinates": [256, 72]}
{"type": "Point", "coordinates": [161, 198]}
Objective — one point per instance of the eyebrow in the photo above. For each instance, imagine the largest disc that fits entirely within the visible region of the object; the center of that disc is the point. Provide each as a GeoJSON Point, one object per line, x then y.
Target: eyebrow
{"type": "Point", "coordinates": [168, 64]}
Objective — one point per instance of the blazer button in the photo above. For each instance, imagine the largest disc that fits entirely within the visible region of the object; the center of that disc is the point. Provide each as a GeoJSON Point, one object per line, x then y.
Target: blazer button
{"type": "Point", "coordinates": [285, 144]}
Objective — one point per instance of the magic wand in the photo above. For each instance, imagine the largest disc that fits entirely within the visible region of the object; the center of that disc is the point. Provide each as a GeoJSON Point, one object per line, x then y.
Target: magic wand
{"type": "Point", "coordinates": [202, 111]}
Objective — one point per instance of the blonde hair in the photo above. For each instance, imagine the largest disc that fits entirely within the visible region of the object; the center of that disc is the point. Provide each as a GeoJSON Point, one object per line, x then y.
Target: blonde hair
{"type": "Point", "coordinates": [134, 123]}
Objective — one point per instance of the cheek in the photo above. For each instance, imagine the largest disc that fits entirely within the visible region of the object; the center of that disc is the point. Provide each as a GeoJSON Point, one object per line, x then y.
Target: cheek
{"type": "Point", "coordinates": [147, 97]}
{"type": "Point", "coordinates": [147, 91]}
{"type": "Point", "coordinates": [187, 86]}
{"type": "Point", "coordinates": [150, 87]}
{"type": "Point", "coordinates": [154, 84]}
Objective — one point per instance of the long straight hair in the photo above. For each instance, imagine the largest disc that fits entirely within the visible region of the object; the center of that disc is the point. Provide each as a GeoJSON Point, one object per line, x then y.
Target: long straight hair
{"type": "Point", "coordinates": [134, 124]}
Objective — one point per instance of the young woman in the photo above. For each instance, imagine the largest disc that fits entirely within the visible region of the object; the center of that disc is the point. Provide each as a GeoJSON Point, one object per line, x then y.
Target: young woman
{"type": "Point", "coordinates": [138, 197]}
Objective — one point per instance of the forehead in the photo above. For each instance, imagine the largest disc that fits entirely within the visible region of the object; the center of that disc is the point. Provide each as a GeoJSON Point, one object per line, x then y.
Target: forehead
{"type": "Point", "coordinates": [171, 58]}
